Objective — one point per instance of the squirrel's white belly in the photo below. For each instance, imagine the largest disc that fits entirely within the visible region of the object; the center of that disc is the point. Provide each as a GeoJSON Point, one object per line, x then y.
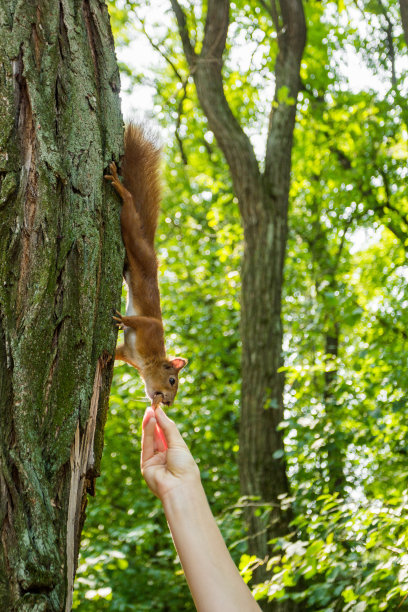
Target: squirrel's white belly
{"type": "Point", "coordinates": [130, 333]}
{"type": "Point", "coordinates": [130, 336]}
{"type": "Point", "coordinates": [130, 309]}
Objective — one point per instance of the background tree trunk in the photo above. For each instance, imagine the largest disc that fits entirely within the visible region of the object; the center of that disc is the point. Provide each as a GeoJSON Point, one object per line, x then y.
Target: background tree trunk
{"type": "Point", "coordinates": [335, 453]}
{"type": "Point", "coordinates": [326, 265]}
{"type": "Point", "coordinates": [60, 280]}
{"type": "Point", "coordinates": [262, 464]}
{"type": "Point", "coordinates": [263, 201]}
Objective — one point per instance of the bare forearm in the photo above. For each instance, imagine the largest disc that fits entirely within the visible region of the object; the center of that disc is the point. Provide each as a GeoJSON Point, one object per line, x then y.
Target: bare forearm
{"type": "Point", "coordinates": [214, 580]}
{"type": "Point", "coordinates": [172, 474]}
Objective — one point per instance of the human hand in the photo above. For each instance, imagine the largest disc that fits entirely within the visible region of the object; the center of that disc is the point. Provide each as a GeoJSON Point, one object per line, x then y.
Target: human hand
{"type": "Point", "coordinates": [166, 461]}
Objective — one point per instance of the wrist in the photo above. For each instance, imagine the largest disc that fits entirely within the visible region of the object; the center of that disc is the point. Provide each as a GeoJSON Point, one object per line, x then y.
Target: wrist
{"type": "Point", "coordinates": [187, 496]}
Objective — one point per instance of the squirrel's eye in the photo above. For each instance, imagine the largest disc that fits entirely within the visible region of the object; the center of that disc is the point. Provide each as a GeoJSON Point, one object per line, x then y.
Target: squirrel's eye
{"type": "Point", "coordinates": [172, 380]}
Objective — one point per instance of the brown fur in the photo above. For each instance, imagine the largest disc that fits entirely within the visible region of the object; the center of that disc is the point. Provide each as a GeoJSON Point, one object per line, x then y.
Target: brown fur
{"type": "Point", "coordinates": [144, 346]}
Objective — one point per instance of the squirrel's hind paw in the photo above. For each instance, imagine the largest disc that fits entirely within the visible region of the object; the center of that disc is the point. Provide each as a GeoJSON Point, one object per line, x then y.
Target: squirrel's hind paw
{"type": "Point", "coordinates": [114, 173]}
{"type": "Point", "coordinates": [114, 170]}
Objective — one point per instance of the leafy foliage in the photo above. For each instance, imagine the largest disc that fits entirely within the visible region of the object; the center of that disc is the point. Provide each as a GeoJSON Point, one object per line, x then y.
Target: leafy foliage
{"type": "Point", "coordinates": [345, 321]}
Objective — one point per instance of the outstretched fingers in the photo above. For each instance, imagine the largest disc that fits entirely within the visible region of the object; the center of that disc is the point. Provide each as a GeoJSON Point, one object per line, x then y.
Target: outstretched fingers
{"type": "Point", "coordinates": [148, 441]}
{"type": "Point", "coordinates": [153, 438]}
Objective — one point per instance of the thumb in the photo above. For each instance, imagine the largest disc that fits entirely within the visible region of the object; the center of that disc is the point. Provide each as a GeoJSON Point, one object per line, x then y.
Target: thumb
{"type": "Point", "coordinates": [169, 429]}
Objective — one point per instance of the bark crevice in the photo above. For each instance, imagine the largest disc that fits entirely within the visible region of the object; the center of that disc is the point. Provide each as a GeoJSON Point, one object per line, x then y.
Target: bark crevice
{"type": "Point", "coordinates": [60, 230]}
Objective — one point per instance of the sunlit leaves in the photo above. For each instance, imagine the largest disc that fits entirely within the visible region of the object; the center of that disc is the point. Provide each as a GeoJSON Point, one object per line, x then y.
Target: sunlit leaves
{"type": "Point", "coordinates": [345, 277]}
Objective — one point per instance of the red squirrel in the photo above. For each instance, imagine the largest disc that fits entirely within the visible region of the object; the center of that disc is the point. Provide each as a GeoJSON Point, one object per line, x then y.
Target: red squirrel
{"type": "Point", "coordinates": [144, 346]}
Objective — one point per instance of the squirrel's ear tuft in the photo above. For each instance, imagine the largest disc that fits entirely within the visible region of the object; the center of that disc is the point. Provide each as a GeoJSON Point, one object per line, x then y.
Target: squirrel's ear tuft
{"type": "Point", "coordinates": [178, 363]}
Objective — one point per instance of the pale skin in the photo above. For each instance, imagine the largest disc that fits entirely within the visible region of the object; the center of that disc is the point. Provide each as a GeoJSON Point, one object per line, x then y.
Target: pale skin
{"type": "Point", "coordinates": [172, 474]}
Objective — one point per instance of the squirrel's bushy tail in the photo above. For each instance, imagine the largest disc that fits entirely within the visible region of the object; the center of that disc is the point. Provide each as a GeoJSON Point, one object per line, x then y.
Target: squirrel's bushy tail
{"type": "Point", "coordinates": [141, 175]}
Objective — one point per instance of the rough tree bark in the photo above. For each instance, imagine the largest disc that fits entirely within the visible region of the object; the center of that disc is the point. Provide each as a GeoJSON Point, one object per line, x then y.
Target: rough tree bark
{"type": "Point", "coordinates": [60, 280]}
{"type": "Point", "coordinates": [263, 201]}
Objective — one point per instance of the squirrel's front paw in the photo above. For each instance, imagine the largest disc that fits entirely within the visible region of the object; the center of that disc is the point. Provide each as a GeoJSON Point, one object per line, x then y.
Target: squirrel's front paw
{"type": "Point", "coordinates": [118, 318]}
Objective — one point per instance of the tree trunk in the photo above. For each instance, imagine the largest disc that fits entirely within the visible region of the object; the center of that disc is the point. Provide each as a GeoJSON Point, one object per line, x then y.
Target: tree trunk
{"type": "Point", "coordinates": [334, 448]}
{"type": "Point", "coordinates": [60, 280]}
{"type": "Point", "coordinates": [262, 464]}
{"type": "Point", "coordinates": [263, 201]}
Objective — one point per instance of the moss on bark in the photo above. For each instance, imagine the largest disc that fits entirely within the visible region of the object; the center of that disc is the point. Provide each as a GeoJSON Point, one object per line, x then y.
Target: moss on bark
{"type": "Point", "coordinates": [61, 261]}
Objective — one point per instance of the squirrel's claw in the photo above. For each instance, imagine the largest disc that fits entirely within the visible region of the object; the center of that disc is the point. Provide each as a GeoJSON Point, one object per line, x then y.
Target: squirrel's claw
{"type": "Point", "coordinates": [118, 318]}
{"type": "Point", "coordinates": [119, 323]}
{"type": "Point", "coordinates": [113, 176]}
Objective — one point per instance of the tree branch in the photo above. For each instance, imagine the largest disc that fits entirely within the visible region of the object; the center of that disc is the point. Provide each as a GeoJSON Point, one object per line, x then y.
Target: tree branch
{"type": "Point", "coordinates": [178, 124]}
{"type": "Point", "coordinates": [216, 29]}
{"type": "Point", "coordinates": [396, 329]}
{"type": "Point", "coordinates": [157, 47]}
{"type": "Point", "coordinates": [273, 11]}
{"type": "Point", "coordinates": [184, 34]}
{"type": "Point", "coordinates": [291, 41]}
{"type": "Point", "coordinates": [390, 42]}
{"type": "Point", "coordinates": [377, 207]}
{"type": "Point", "coordinates": [206, 70]}
{"type": "Point", "coordinates": [183, 82]}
